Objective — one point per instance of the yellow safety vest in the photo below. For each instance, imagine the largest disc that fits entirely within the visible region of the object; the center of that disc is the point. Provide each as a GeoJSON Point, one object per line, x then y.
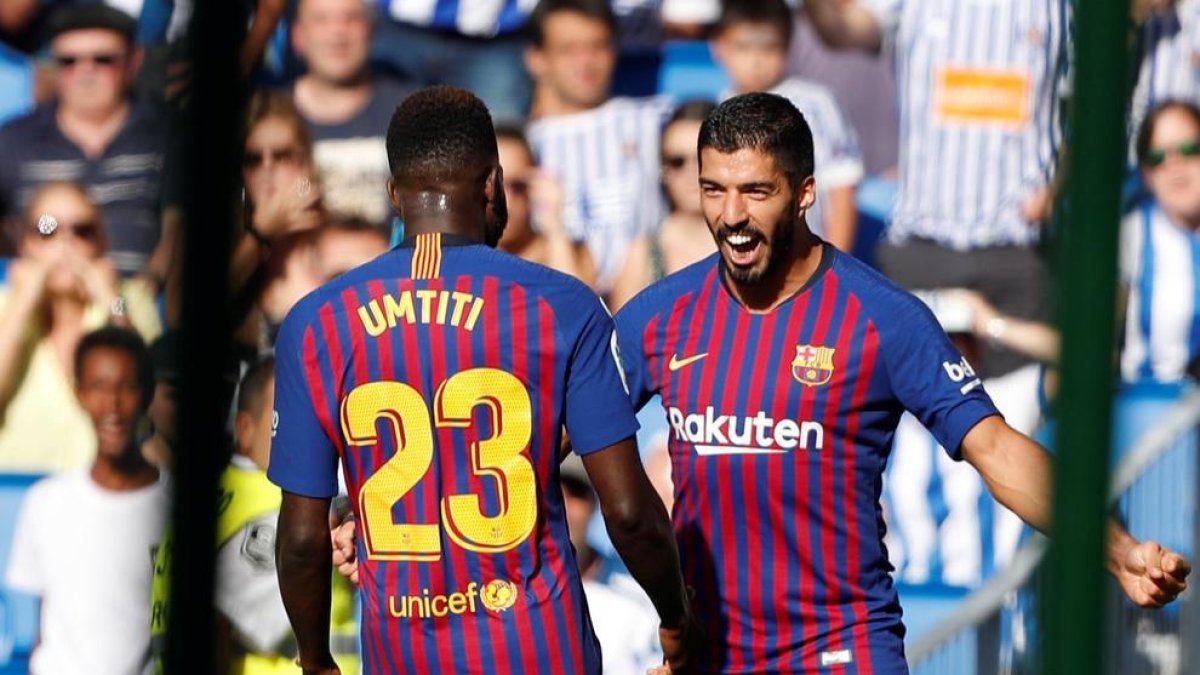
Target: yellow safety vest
{"type": "Point", "coordinates": [247, 495]}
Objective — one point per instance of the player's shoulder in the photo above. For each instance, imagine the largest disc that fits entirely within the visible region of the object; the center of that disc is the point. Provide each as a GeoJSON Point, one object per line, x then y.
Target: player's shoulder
{"type": "Point", "coordinates": [666, 292]}
{"type": "Point", "coordinates": [884, 303]}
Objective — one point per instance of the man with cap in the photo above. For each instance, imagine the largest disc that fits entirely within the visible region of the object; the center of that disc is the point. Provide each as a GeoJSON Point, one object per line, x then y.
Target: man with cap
{"type": "Point", "coordinates": [94, 133]}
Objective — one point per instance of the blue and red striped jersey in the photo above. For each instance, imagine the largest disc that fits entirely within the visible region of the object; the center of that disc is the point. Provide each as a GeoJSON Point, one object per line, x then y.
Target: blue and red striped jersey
{"type": "Point", "coordinates": [441, 374]}
{"type": "Point", "coordinates": [780, 426]}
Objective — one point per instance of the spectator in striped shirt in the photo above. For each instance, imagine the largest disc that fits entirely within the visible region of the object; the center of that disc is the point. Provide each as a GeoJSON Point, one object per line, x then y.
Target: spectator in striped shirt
{"type": "Point", "coordinates": [751, 40]}
{"type": "Point", "coordinates": [1169, 68]}
{"type": "Point", "coordinates": [604, 150]}
{"type": "Point", "coordinates": [978, 85]}
{"type": "Point", "coordinates": [1160, 250]}
{"type": "Point", "coordinates": [474, 45]}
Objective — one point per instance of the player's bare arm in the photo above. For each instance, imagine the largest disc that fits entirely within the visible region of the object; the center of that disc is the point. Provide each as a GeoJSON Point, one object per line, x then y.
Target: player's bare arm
{"type": "Point", "coordinates": [303, 559]}
{"type": "Point", "coordinates": [1018, 472]}
{"type": "Point", "coordinates": [640, 529]}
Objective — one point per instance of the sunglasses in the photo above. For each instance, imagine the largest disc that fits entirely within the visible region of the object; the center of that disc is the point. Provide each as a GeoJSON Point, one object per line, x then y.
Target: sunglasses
{"type": "Point", "coordinates": [1157, 156]}
{"type": "Point", "coordinates": [106, 59]}
{"type": "Point", "coordinates": [255, 158]}
{"type": "Point", "coordinates": [676, 162]}
{"type": "Point", "coordinates": [86, 231]}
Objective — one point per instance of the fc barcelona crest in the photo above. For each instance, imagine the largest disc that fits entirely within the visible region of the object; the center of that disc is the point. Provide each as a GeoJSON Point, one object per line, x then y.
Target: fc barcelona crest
{"type": "Point", "coordinates": [813, 365]}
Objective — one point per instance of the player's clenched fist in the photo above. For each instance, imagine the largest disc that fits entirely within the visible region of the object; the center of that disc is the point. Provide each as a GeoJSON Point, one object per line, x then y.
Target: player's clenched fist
{"type": "Point", "coordinates": [681, 645]}
{"type": "Point", "coordinates": [1152, 576]}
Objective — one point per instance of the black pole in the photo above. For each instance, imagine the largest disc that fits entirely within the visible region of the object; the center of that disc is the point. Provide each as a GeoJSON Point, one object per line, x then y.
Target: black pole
{"type": "Point", "coordinates": [207, 132]}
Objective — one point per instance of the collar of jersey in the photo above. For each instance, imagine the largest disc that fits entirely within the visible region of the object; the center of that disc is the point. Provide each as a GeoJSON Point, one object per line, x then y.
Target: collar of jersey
{"type": "Point", "coordinates": [448, 239]}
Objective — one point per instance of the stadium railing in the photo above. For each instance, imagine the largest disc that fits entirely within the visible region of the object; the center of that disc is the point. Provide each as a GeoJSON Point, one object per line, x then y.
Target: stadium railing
{"type": "Point", "coordinates": [1153, 490]}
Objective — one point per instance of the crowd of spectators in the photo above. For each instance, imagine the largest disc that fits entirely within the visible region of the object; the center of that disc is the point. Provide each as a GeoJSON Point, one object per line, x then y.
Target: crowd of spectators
{"type": "Point", "coordinates": [959, 105]}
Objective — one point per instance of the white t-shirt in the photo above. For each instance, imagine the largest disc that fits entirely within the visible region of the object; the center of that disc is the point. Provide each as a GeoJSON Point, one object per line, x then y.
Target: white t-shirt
{"type": "Point", "coordinates": [626, 625]}
{"type": "Point", "coordinates": [88, 552]}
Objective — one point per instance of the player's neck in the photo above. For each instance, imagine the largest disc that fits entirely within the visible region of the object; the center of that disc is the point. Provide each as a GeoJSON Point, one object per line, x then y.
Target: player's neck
{"type": "Point", "coordinates": [780, 285]}
{"type": "Point", "coordinates": [448, 212]}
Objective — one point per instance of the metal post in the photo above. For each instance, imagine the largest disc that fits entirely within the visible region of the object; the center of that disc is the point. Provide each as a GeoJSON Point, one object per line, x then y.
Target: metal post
{"type": "Point", "coordinates": [207, 131]}
{"type": "Point", "coordinates": [1074, 600]}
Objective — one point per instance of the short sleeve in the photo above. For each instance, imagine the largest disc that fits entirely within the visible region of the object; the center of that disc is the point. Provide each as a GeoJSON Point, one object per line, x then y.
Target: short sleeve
{"type": "Point", "coordinates": [931, 378]}
{"type": "Point", "coordinates": [24, 570]}
{"type": "Point", "coordinates": [631, 348]}
{"type": "Point", "coordinates": [303, 456]}
{"type": "Point", "coordinates": [598, 412]}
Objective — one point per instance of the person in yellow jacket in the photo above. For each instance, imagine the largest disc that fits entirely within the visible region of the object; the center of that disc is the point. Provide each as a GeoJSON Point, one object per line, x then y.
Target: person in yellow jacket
{"type": "Point", "coordinates": [247, 591]}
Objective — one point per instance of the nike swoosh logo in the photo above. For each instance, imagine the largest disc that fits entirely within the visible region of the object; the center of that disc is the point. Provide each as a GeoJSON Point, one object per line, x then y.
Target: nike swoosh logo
{"type": "Point", "coordinates": [677, 363]}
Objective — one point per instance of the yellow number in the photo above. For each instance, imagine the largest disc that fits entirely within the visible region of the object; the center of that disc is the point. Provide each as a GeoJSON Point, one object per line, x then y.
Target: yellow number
{"type": "Point", "coordinates": [403, 406]}
{"type": "Point", "coordinates": [502, 457]}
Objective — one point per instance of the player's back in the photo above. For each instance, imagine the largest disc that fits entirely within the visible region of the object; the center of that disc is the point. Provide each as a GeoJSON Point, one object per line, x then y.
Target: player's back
{"type": "Point", "coordinates": [443, 373]}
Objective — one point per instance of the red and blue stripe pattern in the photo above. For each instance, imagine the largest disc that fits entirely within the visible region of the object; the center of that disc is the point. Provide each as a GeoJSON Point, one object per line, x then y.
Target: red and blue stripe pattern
{"type": "Point", "coordinates": [777, 473]}
{"type": "Point", "coordinates": [465, 608]}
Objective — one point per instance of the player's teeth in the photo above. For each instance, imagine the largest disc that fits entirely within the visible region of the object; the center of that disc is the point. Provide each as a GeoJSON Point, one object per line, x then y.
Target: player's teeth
{"type": "Point", "coordinates": [738, 239]}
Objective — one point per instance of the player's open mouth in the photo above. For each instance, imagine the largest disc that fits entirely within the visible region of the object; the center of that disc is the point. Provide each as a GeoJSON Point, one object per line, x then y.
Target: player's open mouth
{"type": "Point", "coordinates": [743, 248]}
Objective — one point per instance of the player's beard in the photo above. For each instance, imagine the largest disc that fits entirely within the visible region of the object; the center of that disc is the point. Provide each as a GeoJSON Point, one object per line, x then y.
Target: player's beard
{"type": "Point", "coordinates": [779, 245]}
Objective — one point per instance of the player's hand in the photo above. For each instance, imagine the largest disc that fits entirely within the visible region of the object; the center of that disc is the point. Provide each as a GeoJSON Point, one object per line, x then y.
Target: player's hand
{"type": "Point", "coordinates": [344, 558]}
{"type": "Point", "coordinates": [681, 646]}
{"type": "Point", "coordinates": [1152, 576]}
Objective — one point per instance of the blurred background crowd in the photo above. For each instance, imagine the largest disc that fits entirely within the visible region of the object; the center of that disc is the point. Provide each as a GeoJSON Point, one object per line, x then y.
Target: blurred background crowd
{"type": "Point", "coordinates": [938, 129]}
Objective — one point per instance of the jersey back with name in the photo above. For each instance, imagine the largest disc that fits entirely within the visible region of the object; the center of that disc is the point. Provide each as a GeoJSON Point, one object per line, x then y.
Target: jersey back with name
{"type": "Point", "coordinates": [441, 375]}
{"type": "Point", "coordinates": [780, 425]}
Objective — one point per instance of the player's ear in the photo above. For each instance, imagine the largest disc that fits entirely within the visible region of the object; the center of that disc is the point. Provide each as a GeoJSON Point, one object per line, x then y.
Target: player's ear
{"type": "Point", "coordinates": [394, 198]}
{"type": "Point", "coordinates": [806, 194]}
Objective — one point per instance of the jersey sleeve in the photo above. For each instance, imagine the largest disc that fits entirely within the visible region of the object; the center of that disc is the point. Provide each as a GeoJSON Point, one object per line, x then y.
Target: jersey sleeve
{"type": "Point", "coordinates": [303, 456]}
{"type": "Point", "coordinates": [931, 378]}
{"type": "Point", "coordinates": [598, 412]}
{"type": "Point", "coordinates": [631, 349]}
{"type": "Point", "coordinates": [24, 570]}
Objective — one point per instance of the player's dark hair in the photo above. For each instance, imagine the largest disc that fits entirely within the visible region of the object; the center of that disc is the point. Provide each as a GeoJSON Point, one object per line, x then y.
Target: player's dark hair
{"type": "Point", "coordinates": [773, 13]}
{"type": "Point", "coordinates": [254, 385]}
{"type": "Point", "coordinates": [120, 339]}
{"type": "Point", "coordinates": [440, 134]}
{"type": "Point", "coordinates": [1142, 143]}
{"type": "Point", "coordinates": [600, 10]}
{"type": "Point", "coordinates": [764, 122]}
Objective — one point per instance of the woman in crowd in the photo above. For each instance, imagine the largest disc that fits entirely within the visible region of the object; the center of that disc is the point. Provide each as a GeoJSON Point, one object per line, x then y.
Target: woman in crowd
{"type": "Point", "coordinates": [1160, 249]}
{"type": "Point", "coordinates": [684, 237]}
{"type": "Point", "coordinates": [535, 229]}
{"type": "Point", "coordinates": [59, 288]}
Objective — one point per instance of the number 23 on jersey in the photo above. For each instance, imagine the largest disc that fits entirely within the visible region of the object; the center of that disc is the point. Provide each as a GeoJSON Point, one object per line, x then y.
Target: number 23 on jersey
{"type": "Point", "coordinates": [501, 457]}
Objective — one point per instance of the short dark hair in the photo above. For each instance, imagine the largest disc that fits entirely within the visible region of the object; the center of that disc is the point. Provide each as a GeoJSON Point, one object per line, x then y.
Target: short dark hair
{"type": "Point", "coordinates": [254, 385]}
{"type": "Point", "coordinates": [600, 10]}
{"type": "Point", "coordinates": [85, 16]}
{"type": "Point", "coordinates": [765, 122]}
{"type": "Point", "coordinates": [120, 339]}
{"type": "Point", "coordinates": [441, 133]}
{"type": "Point", "coordinates": [1146, 130]}
{"type": "Point", "coordinates": [774, 13]}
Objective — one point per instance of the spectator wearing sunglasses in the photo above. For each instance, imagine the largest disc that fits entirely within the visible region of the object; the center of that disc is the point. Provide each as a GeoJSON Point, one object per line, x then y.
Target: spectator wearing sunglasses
{"type": "Point", "coordinates": [59, 288]}
{"type": "Point", "coordinates": [94, 133]}
{"type": "Point", "coordinates": [1160, 249]}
